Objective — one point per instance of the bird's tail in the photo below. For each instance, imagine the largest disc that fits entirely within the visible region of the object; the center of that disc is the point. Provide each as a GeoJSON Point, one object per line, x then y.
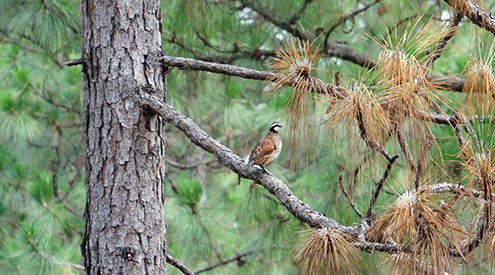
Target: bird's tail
{"type": "Point", "coordinates": [238, 179]}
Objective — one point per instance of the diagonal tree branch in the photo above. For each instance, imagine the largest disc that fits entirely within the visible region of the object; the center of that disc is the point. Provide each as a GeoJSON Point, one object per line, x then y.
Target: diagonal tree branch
{"type": "Point", "coordinates": [236, 258]}
{"type": "Point", "coordinates": [344, 17]}
{"type": "Point", "coordinates": [349, 199]}
{"type": "Point", "coordinates": [379, 186]}
{"type": "Point", "coordinates": [178, 264]}
{"type": "Point", "coordinates": [441, 45]}
{"type": "Point", "coordinates": [272, 18]}
{"type": "Point", "coordinates": [404, 146]}
{"type": "Point", "coordinates": [484, 19]}
{"type": "Point", "coordinates": [284, 195]}
{"type": "Point", "coordinates": [301, 10]}
{"type": "Point", "coordinates": [298, 208]}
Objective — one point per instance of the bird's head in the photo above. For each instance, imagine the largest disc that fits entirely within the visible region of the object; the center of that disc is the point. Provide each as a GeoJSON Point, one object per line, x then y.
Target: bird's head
{"type": "Point", "coordinates": [274, 127]}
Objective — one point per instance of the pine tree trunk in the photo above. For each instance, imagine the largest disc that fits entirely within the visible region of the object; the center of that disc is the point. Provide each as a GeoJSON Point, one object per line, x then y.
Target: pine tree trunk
{"type": "Point", "coordinates": [125, 151]}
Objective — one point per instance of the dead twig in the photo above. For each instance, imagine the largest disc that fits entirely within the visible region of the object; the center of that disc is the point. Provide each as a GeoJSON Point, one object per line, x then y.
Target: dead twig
{"type": "Point", "coordinates": [441, 45]}
{"type": "Point", "coordinates": [404, 146]}
{"type": "Point", "coordinates": [236, 258]}
{"type": "Point", "coordinates": [179, 265]}
{"type": "Point", "coordinates": [349, 199]}
{"type": "Point", "coordinates": [379, 186]}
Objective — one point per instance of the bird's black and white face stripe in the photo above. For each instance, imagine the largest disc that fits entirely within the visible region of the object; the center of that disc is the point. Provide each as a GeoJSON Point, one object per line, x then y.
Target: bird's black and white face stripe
{"type": "Point", "coordinates": [274, 127]}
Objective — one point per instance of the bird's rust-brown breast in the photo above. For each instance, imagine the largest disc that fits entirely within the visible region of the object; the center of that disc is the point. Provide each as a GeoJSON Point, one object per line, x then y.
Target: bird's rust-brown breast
{"type": "Point", "coordinates": [266, 151]}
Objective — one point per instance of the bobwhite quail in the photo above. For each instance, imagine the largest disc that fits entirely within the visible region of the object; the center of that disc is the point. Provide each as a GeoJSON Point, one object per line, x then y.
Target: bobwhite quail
{"type": "Point", "coordinates": [268, 149]}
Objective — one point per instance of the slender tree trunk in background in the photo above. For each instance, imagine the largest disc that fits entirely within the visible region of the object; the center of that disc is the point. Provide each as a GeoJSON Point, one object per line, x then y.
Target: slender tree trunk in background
{"type": "Point", "coordinates": [121, 41]}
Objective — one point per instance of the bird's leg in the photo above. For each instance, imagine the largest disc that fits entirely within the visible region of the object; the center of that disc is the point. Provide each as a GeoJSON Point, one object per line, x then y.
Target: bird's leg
{"type": "Point", "coordinates": [266, 171]}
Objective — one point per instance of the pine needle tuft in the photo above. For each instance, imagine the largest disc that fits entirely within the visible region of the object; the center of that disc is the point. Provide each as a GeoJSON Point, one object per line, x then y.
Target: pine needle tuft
{"type": "Point", "coordinates": [480, 85]}
{"type": "Point", "coordinates": [293, 64]}
{"type": "Point", "coordinates": [326, 252]}
{"type": "Point", "coordinates": [400, 72]}
{"type": "Point", "coordinates": [425, 226]}
{"type": "Point", "coordinates": [360, 105]}
{"type": "Point", "coordinates": [295, 61]}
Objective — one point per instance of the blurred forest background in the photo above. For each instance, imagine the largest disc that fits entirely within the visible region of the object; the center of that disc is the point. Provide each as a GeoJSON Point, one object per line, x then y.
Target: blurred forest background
{"type": "Point", "coordinates": [209, 217]}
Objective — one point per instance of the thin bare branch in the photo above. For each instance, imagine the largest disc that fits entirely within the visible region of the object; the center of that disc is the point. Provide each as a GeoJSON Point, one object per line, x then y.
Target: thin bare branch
{"type": "Point", "coordinates": [208, 44]}
{"type": "Point", "coordinates": [379, 186]}
{"type": "Point", "coordinates": [483, 225]}
{"type": "Point", "coordinates": [349, 199]}
{"type": "Point", "coordinates": [301, 10]}
{"type": "Point", "coordinates": [407, 153]}
{"type": "Point", "coordinates": [236, 258]}
{"type": "Point", "coordinates": [75, 62]}
{"type": "Point", "coordinates": [274, 19]}
{"type": "Point", "coordinates": [225, 56]}
{"type": "Point", "coordinates": [179, 265]}
{"type": "Point", "coordinates": [171, 180]}
{"type": "Point", "coordinates": [441, 45]}
{"type": "Point", "coordinates": [391, 248]}
{"type": "Point", "coordinates": [423, 156]}
{"type": "Point", "coordinates": [232, 70]}
{"type": "Point", "coordinates": [458, 126]}
{"type": "Point", "coordinates": [373, 144]}
{"type": "Point", "coordinates": [343, 18]}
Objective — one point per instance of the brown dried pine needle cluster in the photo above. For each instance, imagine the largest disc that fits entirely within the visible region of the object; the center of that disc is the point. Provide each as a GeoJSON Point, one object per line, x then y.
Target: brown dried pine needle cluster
{"type": "Point", "coordinates": [402, 82]}
{"type": "Point", "coordinates": [427, 230]}
{"type": "Point", "coordinates": [294, 63]}
{"type": "Point", "coordinates": [326, 252]}
{"type": "Point", "coordinates": [404, 85]}
{"type": "Point", "coordinates": [363, 106]}
{"type": "Point", "coordinates": [479, 77]}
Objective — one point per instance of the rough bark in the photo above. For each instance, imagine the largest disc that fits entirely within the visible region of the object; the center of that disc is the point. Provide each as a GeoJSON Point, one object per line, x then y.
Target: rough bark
{"type": "Point", "coordinates": [484, 19]}
{"type": "Point", "coordinates": [121, 41]}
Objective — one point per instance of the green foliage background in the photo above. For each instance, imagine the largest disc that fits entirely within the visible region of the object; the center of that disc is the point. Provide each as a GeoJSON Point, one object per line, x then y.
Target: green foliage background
{"type": "Point", "coordinates": [208, 216]}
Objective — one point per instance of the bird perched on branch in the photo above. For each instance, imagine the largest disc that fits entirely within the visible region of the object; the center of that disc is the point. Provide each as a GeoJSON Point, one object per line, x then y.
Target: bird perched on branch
{"type": "Point", "coordinates": [267, 150]}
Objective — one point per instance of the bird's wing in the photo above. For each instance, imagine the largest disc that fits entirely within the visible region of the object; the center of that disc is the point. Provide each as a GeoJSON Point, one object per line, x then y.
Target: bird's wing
{"type": "Point", "coordinates": [261, 151]}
